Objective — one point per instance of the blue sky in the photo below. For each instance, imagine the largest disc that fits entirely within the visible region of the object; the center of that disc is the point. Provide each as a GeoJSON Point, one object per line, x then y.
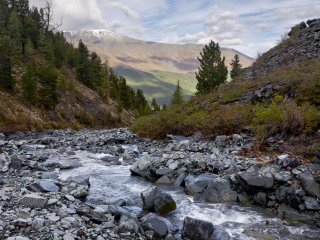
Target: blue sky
{"type": "Point", "coordinates": [245, 25]}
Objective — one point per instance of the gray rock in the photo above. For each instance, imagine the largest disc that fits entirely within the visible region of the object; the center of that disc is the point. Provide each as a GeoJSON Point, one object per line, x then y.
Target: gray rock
{"type": "Point", "coordinates": [195, 229]}
{"type": "Point", "coordinates": [129, 223]}
{"type": "Point", "coordinates": [293, 217]}
{"type": "Point", "coordinates": [33, 200]}
{"type": "Point", "coordinates": [68, 236]}
{"type": "Point", "coordinates": [163, 171]}
{"type": "Point", "coordinates": [309, 184]}
{"type": "Point", "coordinates": [311, 203]}
{"type": "Point", "coordinates": [219, 191]}
{"type": "Point", "coordinates": [91, 214]}
{"type": "Point", "coordinates": [69, 222]}
{"type": "Point", "coordinates": [178, 182]}
{"type": "Point", "coordinates": [16, 162]}
{"type": "Point", "coordinates": [18, 238]}
{"type": "Point", "coordinates": [254, 181]}
{"type": "Point", "coordinates": [43, 186]}
{"type": "Point", "coordinates": [4, 162]}
{"type": "Point", "coordinates": [260, 198]}
{"type": "Point", "coordinates": [142, 166]}
{"type": "Point", "coordinates": [164, 180]}
{"type": "Point", "coordinates": [158, 201]}
{"type": "Point", "coordinates": [156, 225]}
{"type": "Point", "coordinates": [221, 141]}
{"type": "Point", "coordinates": [50, 175]}
{"type": "Point", "coordinates": [196, 185]}
{"type": "Point", "coordinates": [38, 223]}
{"type": "Point", "coordinates": [283, 176]}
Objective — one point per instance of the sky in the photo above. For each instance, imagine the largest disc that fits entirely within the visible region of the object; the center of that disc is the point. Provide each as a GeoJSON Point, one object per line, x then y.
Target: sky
{"type": "Point", "coordinates": [249, 26]}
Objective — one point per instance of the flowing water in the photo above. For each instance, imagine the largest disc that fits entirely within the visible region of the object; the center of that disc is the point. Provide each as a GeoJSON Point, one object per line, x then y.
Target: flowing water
{"type": "Point", "coordinates": [112, 183]}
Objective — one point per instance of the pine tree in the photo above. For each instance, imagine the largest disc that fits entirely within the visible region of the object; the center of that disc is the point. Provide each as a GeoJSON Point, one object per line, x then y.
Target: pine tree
{"type": "Point", "coordinates": [236, 67]}
{"type": "Point", "coordinates": [48, 79]}
{"type": "Point", "coordinates": [212, 71]}
{"type": "Point", "coordinates": [29, 84]}
{"type": "Point", "coordinates": [6, 80]}
{"type": "Point", "coordinates": [164, 107]}
{"type": "Point", "coordinates": [154, 105]}
{"type": "Point", "coordinates": [82, 64]}
{"type": "Point", "coordinates": [177, 98]}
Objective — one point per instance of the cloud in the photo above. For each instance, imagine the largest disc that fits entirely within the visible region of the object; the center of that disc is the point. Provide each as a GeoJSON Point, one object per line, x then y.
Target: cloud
{"type": "Point", "coordinates": [126, 10]}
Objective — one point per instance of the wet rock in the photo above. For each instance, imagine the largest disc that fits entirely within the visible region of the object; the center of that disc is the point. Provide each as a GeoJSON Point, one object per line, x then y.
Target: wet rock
{"type": "Point", "coordinates": [33, 200]}
{"type": "Point", "coordinates": [309, 184]}
{"type": "Point", "coordinates": [142, 166]}
{"type": "Point", "coordinates": [43, 186]}
{"type": "Point", "coordinates": [128, 223]}
{"type": "Point", "coordinates": [219, 191]}
{"type": "Point", "coordinates": [156, 225]}
{"type": "Point", "coordinates": [49, 175]}
{"type": "Point", "coordinates": [163, 171]}
{"type": "Point", "coordinates": [195, 229]}
{"type": "Point", "coordinates": [293, 217]}
{"type": "Point", "coordinates": [158, 201]}
{"type": "Point", "coordinates": [178, 182]}
{"type": "Point", "coordinates": [196, 185]}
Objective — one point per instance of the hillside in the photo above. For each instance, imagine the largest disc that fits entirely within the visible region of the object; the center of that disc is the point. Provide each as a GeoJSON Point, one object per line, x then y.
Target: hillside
{"type": "Point", "coordinates": [153, 67]}
{"type": "Point", "coordinates": [279, 103]}
{"type": "Point", "coordinates": [47, 83]}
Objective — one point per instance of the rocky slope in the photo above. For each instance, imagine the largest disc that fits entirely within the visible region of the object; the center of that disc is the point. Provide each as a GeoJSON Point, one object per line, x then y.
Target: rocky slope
{"type": "Point", "coordinates": [37, 202]}
{"type": "Point", "coordinates": [153, 67]}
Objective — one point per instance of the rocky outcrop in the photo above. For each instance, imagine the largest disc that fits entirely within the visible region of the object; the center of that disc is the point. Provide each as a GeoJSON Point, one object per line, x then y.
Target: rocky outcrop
{"type": "Point", "coordinates": [303, 43]}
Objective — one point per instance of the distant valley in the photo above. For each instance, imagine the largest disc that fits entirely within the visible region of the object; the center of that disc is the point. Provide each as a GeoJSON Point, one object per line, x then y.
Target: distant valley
{"type": "Point", "coordinates": [152, 67]}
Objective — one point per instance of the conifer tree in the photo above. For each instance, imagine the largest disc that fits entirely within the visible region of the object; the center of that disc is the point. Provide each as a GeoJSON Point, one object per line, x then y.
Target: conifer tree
{"type": "Point", "coordinates": [82, 64]}
{"type": "Point", "coordinates": [154, 105]}
{"type": "Point", "coordinates": [236, 67]}
{"type": "Point", "coordinates": [48, 79]}
{"type": "Point", "coordinates": [6, 79]}
{"type": "Point", "coordinates": [29, 84]}
{"type": "Point", "coordinates": [177, 98]}
{"type": "Point", "coordinates": [212, 71]}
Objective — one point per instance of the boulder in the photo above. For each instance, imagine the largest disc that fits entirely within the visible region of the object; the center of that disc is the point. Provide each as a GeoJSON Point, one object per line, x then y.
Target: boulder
{"type": "Point", "coordinates": [128, 223]}
{"type": "Point", "coordinates": [4, 162]}
{"type": "Point", "coordinates": [219, 191]}
{"type": "Point", "coordinates": [142, 166]}
{"type": "Point", "coordinates": [196, 185]}
{"type": "Point", "coordinates": [43, 186]}
{"type": "Point", "coordinates": [287, 161]}
{"type": "Point", "coordinates": [311, 203]}
{"type": "Point", "coordinates": [292, 216]}
{"type": "Point", "coordinates": [260, 198]}
{"type": "Point", "coordinates": [158, 201]}
{"type": "Point", "coordinates": [253, 181]}
{"type": "Point", "coordinates": [33, 200]}
{"type": "Point", "coordinates": [221, 141]}
{"type": "Point", "coordinates": [195, 229]}
{"type": "Point", "coordinates": [156, 225]}
{"type": "Point", "coordinates": [16, 162]}
{"type": "Point", "coordinates": [164, 180]}
{"type": "Point", "coordinates": [309, 184]}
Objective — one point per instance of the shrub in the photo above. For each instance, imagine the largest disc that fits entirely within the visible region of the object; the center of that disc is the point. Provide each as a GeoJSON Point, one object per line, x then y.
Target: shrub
{"type": "Point", "coordinates": [311, 117]}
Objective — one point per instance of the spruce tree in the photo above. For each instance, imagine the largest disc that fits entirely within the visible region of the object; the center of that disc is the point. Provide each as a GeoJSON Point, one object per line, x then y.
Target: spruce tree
{"type": "Point", "coordinates": [6, 80]}
{"type": "Point", "coordinates": [177, 98]}
{"type": "Point", "coordinates": [212, 71]}
{"type": "Point", "coordinates": [154, 105]}
{"type": "Point", "coordinates": [29, 84]}
{"type": "Point", "coordinates": [82, 65]}
{"type": "Point", "coordinates": [236, 67]}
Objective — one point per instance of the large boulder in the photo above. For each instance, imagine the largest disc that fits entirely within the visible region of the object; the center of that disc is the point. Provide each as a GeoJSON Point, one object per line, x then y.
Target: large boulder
{"type": "Point", "coordinates": [142, 166]}
{"type": "Point", "coordinates": [197, 185]}
{"type": "Point", "coordinates": [158, 201]}
{"type": "Point", "coordinates": [156, 225]}
{"type": "Point", "coordinates": [128, 223]}
{"type": "Point", "coordinates": [309, 184]}
{"type": "Point", "coordinates": [91, 214]}
{"type": "Point", "coordinates": [16, 162]}
{"type": "Point", "coordinates": [33, 200]}
{"type": "Point", "coordinates": [195, 229]}
{"type": "Point", "coordinates": [254, 181]}
{"type": "Point", "coordinates": [219, 191]}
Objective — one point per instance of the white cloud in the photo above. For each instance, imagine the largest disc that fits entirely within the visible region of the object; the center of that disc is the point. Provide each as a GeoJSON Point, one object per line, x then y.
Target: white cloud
{"type": "Point", "coordinates": [126, 10]}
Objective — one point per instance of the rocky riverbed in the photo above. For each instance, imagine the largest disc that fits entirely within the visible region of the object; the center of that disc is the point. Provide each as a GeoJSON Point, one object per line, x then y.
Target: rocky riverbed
{"type": "Point", "coordinates": [111, 184]}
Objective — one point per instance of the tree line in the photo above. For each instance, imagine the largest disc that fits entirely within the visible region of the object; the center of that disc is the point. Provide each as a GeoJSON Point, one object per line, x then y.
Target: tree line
{"type": "Point", "coordinates": [31, 47]}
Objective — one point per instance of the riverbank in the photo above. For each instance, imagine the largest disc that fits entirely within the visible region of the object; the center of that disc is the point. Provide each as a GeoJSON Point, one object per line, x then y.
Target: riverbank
{"type": "Point", "coordinates": [77, 185]}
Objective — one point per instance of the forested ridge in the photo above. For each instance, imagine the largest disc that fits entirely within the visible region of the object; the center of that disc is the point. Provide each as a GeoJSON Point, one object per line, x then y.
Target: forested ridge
{"type": "Point", "coordinates": [40, 70]}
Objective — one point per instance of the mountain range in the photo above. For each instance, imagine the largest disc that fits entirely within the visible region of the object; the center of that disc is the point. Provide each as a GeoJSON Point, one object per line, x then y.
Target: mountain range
{"type": "Point", "coordinates": [153, 67]}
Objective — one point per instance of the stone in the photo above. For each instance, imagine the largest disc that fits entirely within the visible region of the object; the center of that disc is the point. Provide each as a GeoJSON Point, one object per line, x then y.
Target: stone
{"type": "Point", "coordinates": [156, 225]}
{"type": "Point", "coordinates": [142, 166]}
{"type": "Point", "coordinates": [219, 191]}
{"type": "Point", "coordinates": [221, 141]}
{"type": "Point", "coordinates": [260, 198]}
{"type": "Point", "coordinates": [38, 223]}
{"type": "Point", "coordinates": [196, 185]}
{"type": "Point", "coordinates": [43, 186]}
{"type": "Point", "coordinates": [309, 184]}
{"type": "Point", "coordinates": [178, 182]}
{"type": "Point", "coordinates": [293, 217]}
{"type": "Point", "coordinates": [163, 171]}
{"type": "Point", "coordinates": [69, 222]}
{"type": "Point", "coordinates": [4, 162]}
{"type": "Point", "coordinates": [50, 175]}
{"type": "Point", "coordinates": [68, 236]}
{"type": "Point", "coordinates": [286, 161]}
{"type": "Point", "coordinates": [311, 203]}
{"type": "Point", "coordinates": [149, 235]}
{"type": "Point", "coordinates": [16, 162]}
{"type": "Point", "coordinates": [158, 201]}
{"type": "Point", "coordinates": [18, 238]}
{"type": "Point", "coordinates": [164, 180]}
{"type": "Point", "coordinates": [283, 176]}
{"type": "Point", "coordinates": [91, 214]}
{"type": "Point", "coordinates": [195, 229]}
{"type": "Point", "coordinates": [33, 200]}
{"type": "Point", "coordinates": [129, 223]}
{"type": "Point", "coordinates": [253, 181]}
{"type": "Point", "coordinates": [69, 197]}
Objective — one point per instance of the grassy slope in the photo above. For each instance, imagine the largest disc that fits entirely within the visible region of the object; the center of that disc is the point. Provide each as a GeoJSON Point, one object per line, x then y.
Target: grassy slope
{"type": "Point", "coordinates": [78, 107]}
{"type": "Point", "coordinates": [223, 112]}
